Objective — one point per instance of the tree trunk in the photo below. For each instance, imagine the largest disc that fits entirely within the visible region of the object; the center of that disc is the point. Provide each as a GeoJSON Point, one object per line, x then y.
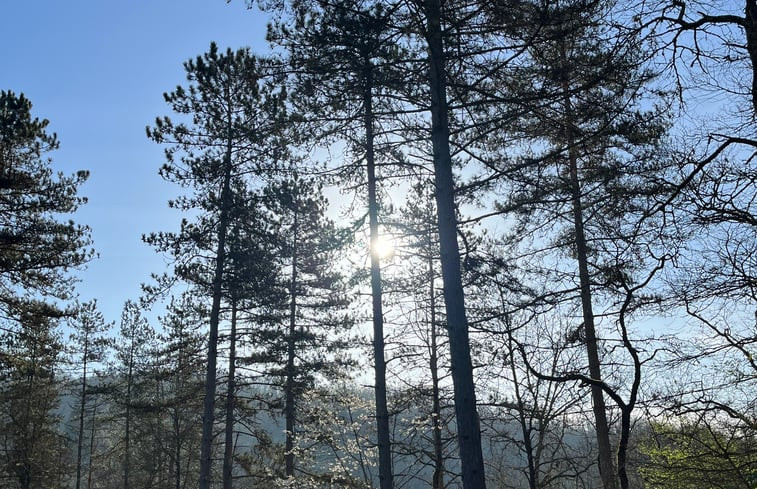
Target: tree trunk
{"type": "Point", "coordinates": [206, 444]}
{"type": "Point", "coordinates": [382, 413]}
{"type": "Point", "coordinates": [750, 17]}
{"type": "Point", "coordinates": [606, 469]}
{"type": "Point", "coordinates": [625, 432]}
{"type": "Point", "coordinates": [91, 445]}
{"type": "Point", "coordinates": [289, 408]}
{"type": "Point", "coordinates": [177, 449]}
{"type": "Point", "coordinates": [436, 410]}
{"type": "Point", "coordinates": [469, 436]}
{"type": "Point", "coordinates": [228, 449]}
{"type": "Point", "coordinates": [25, 477]}
{"type": "Point", "coordinates": [127, 434]}
{"type": "Point", "coordinates": [525, 429]}
{"type": "Point", "coordinates": [592, 349]}
{"type": "Point", "coordinates": [82, 406]}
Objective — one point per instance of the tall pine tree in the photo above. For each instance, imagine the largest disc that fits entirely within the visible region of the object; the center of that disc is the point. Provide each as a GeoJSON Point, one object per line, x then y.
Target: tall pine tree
{"type": "Point", "coordinates": [592, 175]}
{"type": "Point", "coordinates": [229, 130]}
{"type": "Point", "coordinates": [37, 248]}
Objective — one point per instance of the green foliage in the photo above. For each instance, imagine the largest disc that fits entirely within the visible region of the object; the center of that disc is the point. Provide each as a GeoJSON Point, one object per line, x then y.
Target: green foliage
{"type": "Point", "coordinates": [227, 133]}
{"type": "Point", "coordinates": [133, 394]}
{"type": "Point", "coordinates": [89, 341]}
{"type": "Point", "coordinates": [180, 383]}
{"type": "Point", "coordinates": [307, 251]}
{"type": "Point", "coordinates": [31, 448]}
{"type": "Point", "coordinates": [592, 102]}
{"type": "Point", "coordinates": [554, 102]}
{"type": "Point", "coordinates": [37, 249]}
{"type": "Point", "coordinates": [88, 344]}
{"type": "Point", "coordinates": [226, 106]}
{"type": "Point", "coordinates": [700, 455]}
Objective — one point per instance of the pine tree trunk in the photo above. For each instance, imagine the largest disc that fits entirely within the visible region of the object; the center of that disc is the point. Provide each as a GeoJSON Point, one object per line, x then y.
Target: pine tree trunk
{"type": "Point", "coordinates": [533, 482]}
{"type": "Point", "coordinates": [228, 449]}
{"type": "Point", "coordinates": [469, 436]}
{"type": "Point", "coordinates": [127, 428]}
{"type": "Point", "coordinates": [82, 406]}
{"type": "Point", "coordinates": [208, 417]}
{"type": "Point", "coordinates": [27, 448]}
{"type": "Point", "coordinates": [436, 410]}
{"type": "Point", "coordinates": [177, 450]}
{"type": "Point", "coordinates": [750, 26]}
{"type": "Point", "coordinates": [289, 409]}
{"type": "Point", "coordinates": [91, 445]}
{"type": "Point", "coordinates": [382, 413]}
{"type": "Point", "coordinates": [606, 469]}
{"type": "Point", "coordinates": [178, 387]}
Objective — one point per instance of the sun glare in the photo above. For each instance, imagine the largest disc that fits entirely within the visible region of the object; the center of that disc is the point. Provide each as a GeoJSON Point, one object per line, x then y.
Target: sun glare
{"type": "Point", "coordinates": [383, 247]}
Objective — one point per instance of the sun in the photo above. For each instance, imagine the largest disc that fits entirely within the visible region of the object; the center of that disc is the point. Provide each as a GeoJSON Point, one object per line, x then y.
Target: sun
{"type": "Point", "coordinates": [383, 247]}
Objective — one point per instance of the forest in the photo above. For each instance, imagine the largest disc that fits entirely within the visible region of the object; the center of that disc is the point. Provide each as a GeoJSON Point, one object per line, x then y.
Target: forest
{"type": "Point", "coordinates": [424, 244]}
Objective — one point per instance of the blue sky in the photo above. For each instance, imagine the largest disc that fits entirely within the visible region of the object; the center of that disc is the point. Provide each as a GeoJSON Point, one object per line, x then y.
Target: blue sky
{"type": "Point", "coordinates": [97, 70]}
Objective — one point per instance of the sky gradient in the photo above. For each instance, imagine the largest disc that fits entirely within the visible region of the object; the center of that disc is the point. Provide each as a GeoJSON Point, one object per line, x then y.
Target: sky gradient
{"type": "Point", "coordinates": [97, 69]}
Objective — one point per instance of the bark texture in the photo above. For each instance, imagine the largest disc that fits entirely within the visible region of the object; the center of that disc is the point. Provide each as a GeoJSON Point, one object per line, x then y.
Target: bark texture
{"type": "Point", "coordinates": [468, 431]}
